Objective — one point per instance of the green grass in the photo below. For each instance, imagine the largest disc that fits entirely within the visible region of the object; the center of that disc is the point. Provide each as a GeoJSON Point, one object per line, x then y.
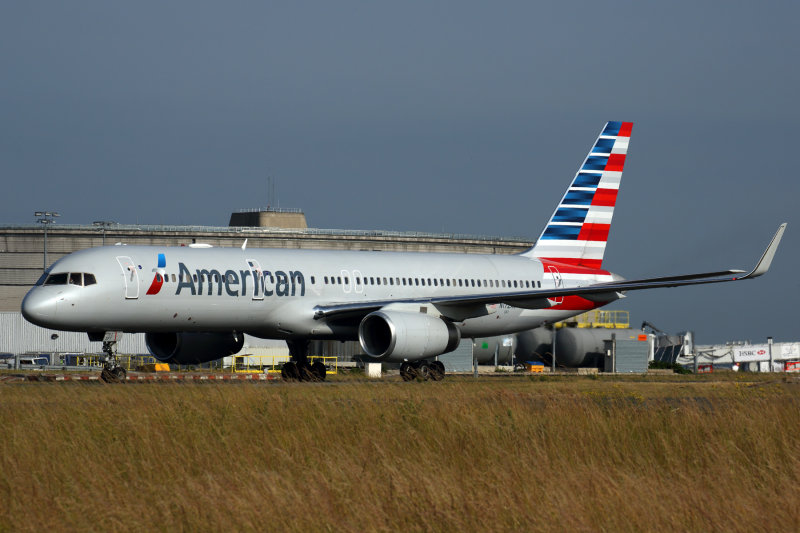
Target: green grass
{"type": "Point", "coordinates": [498, 454]}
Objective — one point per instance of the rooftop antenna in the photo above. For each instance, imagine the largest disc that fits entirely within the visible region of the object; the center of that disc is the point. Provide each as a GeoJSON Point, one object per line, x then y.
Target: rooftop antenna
{"type": "Point", "coordinates": [271, 185]}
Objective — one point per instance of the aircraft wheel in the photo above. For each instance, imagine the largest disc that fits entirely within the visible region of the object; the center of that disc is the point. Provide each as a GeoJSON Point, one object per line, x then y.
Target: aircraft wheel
{"type": "Point", "coordinates": [290, 372]}
{"type": "Point", "coordinates": [120, 374]}
{"type": "Point", "coordinates": [437, 371]}
{"type": "Point", "coordinates": [318, 370]}
{"type": "Point", "coordinates": [407, 371]}
{"type": "Point", "coordinates": [113, 375]}
{"type": "Point", "coordinates": [424, 371]}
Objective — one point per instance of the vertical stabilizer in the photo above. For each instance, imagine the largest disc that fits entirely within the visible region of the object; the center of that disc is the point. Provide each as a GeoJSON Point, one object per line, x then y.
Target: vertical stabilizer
{"type": "Point", "coordinates": [578, 229]}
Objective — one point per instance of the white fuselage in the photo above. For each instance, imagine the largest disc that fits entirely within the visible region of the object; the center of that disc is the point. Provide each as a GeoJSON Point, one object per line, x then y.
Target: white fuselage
{"type": "Point", "coordinates": [272, 293]}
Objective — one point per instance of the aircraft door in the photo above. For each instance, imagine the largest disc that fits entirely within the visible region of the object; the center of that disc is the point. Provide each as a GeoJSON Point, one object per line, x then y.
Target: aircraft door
{"type": "Point", "coordinates": [131, 275]}
{"type": "Point", "coordinates": [347, 283]}
{"type": "Point", "coordinates": [558, 283]}
{"type": "Point", "coordinates": [258, 279]}
{"type": "Point", "coordinates": [358, 284]}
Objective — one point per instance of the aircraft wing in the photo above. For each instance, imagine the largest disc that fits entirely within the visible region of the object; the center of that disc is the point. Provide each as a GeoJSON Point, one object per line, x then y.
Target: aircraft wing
{"type": "Point", "coordinates": [542, 298]}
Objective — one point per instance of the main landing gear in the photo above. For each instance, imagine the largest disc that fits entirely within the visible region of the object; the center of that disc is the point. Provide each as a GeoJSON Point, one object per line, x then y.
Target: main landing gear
{"type": "Point", "coordinates": [422, 370]}
{"type": "Point", "coordinates": [112, 372]}
{"type": "Point", "coordinates": [298, 368]}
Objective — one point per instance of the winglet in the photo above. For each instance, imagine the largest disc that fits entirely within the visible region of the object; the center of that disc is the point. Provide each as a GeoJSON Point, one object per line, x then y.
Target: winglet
{"type": "Point", "coordinates": [766, 259]}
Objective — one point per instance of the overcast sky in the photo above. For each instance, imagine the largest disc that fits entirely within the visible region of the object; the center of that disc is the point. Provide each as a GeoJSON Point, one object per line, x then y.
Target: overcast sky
{"type": "Point", "coordinates": [464, 117]}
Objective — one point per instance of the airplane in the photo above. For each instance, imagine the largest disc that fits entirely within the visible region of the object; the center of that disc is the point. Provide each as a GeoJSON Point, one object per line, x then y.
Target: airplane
{"type": "Point", "coordinates": [194, 303]}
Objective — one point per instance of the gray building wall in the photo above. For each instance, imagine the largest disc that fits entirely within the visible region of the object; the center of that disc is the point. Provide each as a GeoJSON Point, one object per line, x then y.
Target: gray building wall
{"type": "Point", "coordinates": [22, 247]}
{"type": "Point", "coordinates": [18, 336]}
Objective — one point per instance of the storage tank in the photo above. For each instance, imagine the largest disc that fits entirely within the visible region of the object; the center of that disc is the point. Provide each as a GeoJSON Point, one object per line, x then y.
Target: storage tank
{"type": "Point", "coordinates": [484, 349]}
{"type": "Point", "coordinates": [534, 345]}
{"type": "Point", "coordinates": [575, 347]}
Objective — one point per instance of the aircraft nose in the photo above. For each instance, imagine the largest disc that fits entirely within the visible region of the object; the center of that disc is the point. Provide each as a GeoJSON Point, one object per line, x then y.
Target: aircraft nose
{"type": "Point", "coordinates": [38, 308]}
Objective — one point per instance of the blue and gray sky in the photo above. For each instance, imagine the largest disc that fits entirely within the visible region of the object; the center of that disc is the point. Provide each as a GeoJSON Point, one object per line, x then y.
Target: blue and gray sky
{"type": "Point", "coordinates": [464, 117]}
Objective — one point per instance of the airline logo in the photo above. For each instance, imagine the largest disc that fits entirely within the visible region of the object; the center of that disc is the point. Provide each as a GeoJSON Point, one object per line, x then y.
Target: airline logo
{"type": "Point", "coordinates": [158, 279]}
{"type": "Point", "coordinates": [211, 281]}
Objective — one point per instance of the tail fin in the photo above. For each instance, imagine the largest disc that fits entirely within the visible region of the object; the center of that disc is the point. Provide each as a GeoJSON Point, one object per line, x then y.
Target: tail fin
{"type": "Point", "coordinates": [578, 229]}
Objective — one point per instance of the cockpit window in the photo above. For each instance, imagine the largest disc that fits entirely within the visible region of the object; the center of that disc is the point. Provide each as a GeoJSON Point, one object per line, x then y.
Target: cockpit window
{"type": "Point", "coordinates": [75, 278]}
{"type": "Point", "coordinates": [57, 279]}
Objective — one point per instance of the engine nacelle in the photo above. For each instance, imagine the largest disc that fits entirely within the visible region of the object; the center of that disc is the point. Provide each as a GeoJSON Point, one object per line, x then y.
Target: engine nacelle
{"type": "Point", "coordinates": [193, 348]}
{"type": "Point", "coordinates": [400, 336]}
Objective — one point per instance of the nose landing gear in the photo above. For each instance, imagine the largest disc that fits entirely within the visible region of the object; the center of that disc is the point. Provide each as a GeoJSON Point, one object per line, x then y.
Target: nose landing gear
{"type": "Point", "coordinates": [112, 371]}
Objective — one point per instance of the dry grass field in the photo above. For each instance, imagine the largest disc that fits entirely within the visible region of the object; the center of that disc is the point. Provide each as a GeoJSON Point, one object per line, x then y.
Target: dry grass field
{"type": "Point", "coordinates": [493, 454]}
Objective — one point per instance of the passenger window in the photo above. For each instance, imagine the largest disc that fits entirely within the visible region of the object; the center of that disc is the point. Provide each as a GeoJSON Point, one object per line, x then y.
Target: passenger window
{"type": "Point", "coordinates": [384, 281]}
{"type": "Point", "coordinates": [479, 283]}
{"type": "Point", "coordinates": [423, 282]}
{"type": "Point", "coordinates": [416, 281]}
{"type": "Point", "coordinates": [391, 281]}
{"type": "Point", "coordinates": [435, 282]}
{"type": "Point", "coordinates": [312, 280]}
{"type": "Point", "coordinates": [346, 281]}
{"type": "Point", "coordinates": [460, 284]}
{"type": "Point", "coordinates": [325, 279]}
{"type": "Point", "coordinates": [515, 284]}
{"type": "Point", "coordinates": [88, 279]}
{"type": "Point", "coordinates": [448, 282]}
{"type": "Point", "coordinates": [339, 280]}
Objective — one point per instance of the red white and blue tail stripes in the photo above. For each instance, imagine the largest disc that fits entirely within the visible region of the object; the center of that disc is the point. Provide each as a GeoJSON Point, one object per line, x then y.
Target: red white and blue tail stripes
{"type": "Point", "coordinates": [578, 230]}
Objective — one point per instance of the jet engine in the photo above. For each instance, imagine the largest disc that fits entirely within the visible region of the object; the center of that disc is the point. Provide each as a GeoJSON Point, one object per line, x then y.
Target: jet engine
{"type": "Point", "coordinates": [193, 348]}
{"type": "Point", "coordinates": [397, 336]}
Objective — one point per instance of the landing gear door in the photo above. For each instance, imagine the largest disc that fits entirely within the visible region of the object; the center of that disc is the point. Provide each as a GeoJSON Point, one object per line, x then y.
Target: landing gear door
{"type": "Point", "coordinates": [558, 283]}
{"type": "Point", "coordinates": [131, 275]}
{"type": "Point", "coordinates": [258, 279]}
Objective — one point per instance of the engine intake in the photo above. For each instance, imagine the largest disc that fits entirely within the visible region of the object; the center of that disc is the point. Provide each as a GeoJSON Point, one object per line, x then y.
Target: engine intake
{"type": "Point", "coordinates": [193, 348]}
{"type": "Point", "coordinates": [397, 336]}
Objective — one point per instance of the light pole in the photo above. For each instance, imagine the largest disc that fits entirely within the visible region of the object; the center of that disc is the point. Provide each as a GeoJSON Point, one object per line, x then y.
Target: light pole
{"type": "Point", "coordinates": [45, 218]}
{"type": "Point", "coordinates": [104, 224]}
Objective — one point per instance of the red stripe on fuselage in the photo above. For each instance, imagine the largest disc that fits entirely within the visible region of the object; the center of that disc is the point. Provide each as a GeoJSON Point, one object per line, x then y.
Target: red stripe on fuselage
{"type": "Point", "coordinates": [576, 303]}
{"type": "Point", "coordinates": [567, 265]}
